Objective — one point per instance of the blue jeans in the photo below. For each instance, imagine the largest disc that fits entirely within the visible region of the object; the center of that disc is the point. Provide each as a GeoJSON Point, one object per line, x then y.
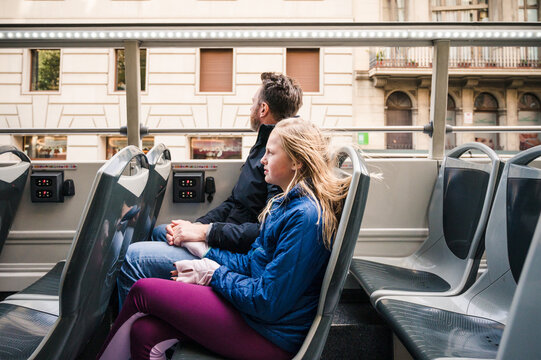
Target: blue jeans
{"type": "Point", "coordinates": [149, 259]}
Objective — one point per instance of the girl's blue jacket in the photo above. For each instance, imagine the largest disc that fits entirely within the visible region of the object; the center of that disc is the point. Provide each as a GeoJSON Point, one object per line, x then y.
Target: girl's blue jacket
{"type": "Point", "coordinates": [276, 285]}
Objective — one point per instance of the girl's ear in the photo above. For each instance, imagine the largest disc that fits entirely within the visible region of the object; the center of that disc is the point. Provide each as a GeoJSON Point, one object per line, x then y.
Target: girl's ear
{"type": "Point", "coordinates": [296, 165]}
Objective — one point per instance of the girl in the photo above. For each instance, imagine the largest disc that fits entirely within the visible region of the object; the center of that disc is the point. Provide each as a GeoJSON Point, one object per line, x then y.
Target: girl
{"type": "Point", "coordinates": [258, 305]}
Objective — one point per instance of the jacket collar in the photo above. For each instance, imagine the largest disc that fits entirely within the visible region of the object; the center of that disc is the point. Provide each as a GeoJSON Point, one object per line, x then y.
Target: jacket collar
{"type": "Point", "coordinates": [264, 132]}
{"type": "Point", "coordinates": [296, 192]}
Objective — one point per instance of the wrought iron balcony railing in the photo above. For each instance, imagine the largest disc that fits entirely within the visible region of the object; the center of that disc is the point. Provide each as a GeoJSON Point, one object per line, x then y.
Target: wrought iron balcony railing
{"type": "Point", "coordinates": [459, 57]}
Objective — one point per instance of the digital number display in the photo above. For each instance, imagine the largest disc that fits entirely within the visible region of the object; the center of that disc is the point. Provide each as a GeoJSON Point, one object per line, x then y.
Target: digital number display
{"type": "Point", "coordinates": [44, 182]}
{"type": "Point", "coordinates": [187, 182]}
{"type": "Point", "coordinates": [44, 194]}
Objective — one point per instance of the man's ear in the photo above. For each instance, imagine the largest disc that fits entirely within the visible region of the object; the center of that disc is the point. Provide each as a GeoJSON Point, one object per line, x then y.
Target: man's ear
{"type": "Point", "coordinates": [263, 109]}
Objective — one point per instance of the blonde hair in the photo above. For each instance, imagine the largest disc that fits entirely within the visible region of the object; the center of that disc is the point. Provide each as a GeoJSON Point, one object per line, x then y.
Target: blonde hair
{"type": "Point", "coordinates": [304, 143]}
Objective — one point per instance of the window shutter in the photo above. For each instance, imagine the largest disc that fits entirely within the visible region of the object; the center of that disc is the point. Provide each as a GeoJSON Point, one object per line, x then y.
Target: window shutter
{"type": "Point", "coordinates": [216, 70]}
{"type": "Point", "coordinates": [303, 65]}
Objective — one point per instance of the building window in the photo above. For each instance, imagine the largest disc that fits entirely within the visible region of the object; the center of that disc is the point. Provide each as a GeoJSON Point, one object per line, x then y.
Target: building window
{"type": "Point", "coordinates": [529, 113]}
{"type": "Point", "coordinates": [486, 114]}
{"type": "Point", "coordinates": [45, 147]}
{"type": "Point", "coordinates": [45, 70]}
{"type": "Point", "coordinates": [116, 143]}
{"type": "Point", "coordinates": [211, 148]}
{"type": "Point", "coordinates": [450, 119]}
{"type": "Point", "coordinates": [216, 70]}
{"type": "Point", "coordinates": [398, 113]}
{"type": "Point", "coordinates": [120, 66]}
{"type": "Point", "coordinates": [528, 10]}
{"type": "Point", "coordinates": [303, 66]}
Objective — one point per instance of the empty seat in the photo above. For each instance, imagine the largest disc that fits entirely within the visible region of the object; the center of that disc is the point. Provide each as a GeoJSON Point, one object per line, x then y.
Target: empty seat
{"type": "Point", "coordinates": [12, 182]}
{"type": "Point", "coordinates": [447, 261]}
{"type": "Point", "coordinates": [521, 335]}
{"type": "Point", "coordinates": [337, 269]}
{"type": "Point", "coordinates": [58, 326]}
{"type": "Point", "coordinates": [159, 160]}
{"type": "Point", "coordinates": [470, 325]}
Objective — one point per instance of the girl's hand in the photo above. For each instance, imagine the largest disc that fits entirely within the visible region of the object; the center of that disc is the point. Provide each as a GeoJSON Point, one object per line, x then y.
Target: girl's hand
{"type": "Point", "coordinates": [194, 271]}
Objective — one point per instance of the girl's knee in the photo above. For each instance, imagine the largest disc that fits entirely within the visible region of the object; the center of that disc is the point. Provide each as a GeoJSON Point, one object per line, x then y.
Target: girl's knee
{"type": "Point", "coordinates": [142, 287]}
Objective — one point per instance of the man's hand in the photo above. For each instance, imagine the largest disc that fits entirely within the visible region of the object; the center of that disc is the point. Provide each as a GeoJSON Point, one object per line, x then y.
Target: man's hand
{"type": "Point", "coordinates": [180, 231]}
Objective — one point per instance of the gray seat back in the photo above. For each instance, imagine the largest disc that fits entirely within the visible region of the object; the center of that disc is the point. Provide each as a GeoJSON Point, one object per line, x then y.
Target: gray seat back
{"type": "Point", "coordinates": [341, 255]}
{"type": "Point", "coordinates": [514, 216]}
{"type": "Point", "coordinates": [12, 182]}
{"type": "Point", "coordinates": [521, 335]}
{"type": "Point", "coordinates": [458, 213]}
{"type": "Point", "coordinates": [159, 160]}
{"type": "Point", "coordinates": [97, 253]}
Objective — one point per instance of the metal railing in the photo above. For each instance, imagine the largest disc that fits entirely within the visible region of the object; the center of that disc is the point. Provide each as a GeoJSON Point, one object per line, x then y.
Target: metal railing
{"type": "Point", "coordinates": [459, 57]}
{"type": "Point", "coordinates": [427, 129]}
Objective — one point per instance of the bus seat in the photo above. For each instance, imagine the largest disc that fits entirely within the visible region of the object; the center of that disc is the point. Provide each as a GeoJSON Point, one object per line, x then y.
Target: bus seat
{"type": "Point", "coordinates": [470, 325]}
{"type": "Point", "coordinates": [12, 182]}
{"type": "Point", "coordinates": [159, 160]}
{"type": "Point", "coordinates": [521, 335]}
{"type": "Point", "coordinates": [447, 261]}
{"type": "Point", "coordinates": [336, 272]}
{"type": "Point", "coordinates": [58, 326]}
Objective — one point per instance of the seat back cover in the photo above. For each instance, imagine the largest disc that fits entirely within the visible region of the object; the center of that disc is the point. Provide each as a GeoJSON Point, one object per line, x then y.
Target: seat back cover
{"type": "Point", "coordinates": [341, 255]}
{"type": "Point", "coordinates": [458, 213]}
{"type": "Point", "coordinates": [510, 230]}
{"type": "Point", "coordinates": [97, 253]}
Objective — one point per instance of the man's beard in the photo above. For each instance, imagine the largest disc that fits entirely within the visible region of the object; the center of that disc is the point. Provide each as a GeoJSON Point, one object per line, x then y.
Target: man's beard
{"type": "Point", "coordinates": [255, 122]}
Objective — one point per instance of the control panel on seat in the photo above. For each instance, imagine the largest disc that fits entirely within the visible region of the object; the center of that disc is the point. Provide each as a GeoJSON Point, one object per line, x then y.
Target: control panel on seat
{"type": "Point", "coordinates": [46, 186]}
{"type": "Point", "coordinates": [50, 186]}
{"type": "Point", "coordinates": [188, 187]}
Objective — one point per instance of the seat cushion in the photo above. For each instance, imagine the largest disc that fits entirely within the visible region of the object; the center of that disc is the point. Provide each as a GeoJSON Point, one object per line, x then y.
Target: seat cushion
{"type": "Point", "coordinates": [429, 333]}
{"type": "Point", "coordinates": [375, 276]}
{"type": "Point", "coordinates": [194, 351]}
{"type": "Point", "coordinates": [22, 330]}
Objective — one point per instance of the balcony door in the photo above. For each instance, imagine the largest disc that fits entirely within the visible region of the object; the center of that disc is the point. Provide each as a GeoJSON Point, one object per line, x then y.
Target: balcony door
{"type": "Point", "coordinates": [486, 114]}
{"type": "Point", "coordinates": [529, 113]}
{"type": "Point", "coordinates": [398, 113]}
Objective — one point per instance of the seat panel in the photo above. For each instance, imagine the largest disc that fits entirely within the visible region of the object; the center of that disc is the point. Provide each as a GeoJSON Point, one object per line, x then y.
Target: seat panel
{"type": "Point", "coordinates": [22, 330]}
{"type": "Point", "coordinates": [524, 199]}
{"type": "Point", "coordinates": [464, 194]}
{"type": "Point", "coordinates": [376, 276]}
{"type": "Point", "coordinates": [430, 333]}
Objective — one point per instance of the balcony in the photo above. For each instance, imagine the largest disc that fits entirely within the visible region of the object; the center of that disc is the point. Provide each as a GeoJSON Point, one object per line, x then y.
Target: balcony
{"type": "Point", "coordinates": [495, 61]}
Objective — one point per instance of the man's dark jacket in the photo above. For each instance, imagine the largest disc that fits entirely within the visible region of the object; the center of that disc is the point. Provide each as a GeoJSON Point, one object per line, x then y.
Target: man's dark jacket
{"type": "Point", "coordinates": [235, 226]}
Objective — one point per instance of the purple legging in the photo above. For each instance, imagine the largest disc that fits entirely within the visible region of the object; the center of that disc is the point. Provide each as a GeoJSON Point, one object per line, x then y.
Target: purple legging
{"type": "Point", "coordinates": [158, 313]}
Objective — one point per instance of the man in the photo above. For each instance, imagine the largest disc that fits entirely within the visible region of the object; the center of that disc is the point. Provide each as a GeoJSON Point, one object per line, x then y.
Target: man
{"type": "Point", "coordinates": [232, 225]}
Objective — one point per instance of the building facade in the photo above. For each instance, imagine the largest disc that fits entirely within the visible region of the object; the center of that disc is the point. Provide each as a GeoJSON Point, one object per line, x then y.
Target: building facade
{"type": "Point", "coordinates": [212, 88]}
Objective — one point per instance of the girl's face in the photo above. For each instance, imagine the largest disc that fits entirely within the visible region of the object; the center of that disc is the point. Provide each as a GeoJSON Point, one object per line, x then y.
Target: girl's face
{"type": "Point", "coordinates": [279, 168]}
